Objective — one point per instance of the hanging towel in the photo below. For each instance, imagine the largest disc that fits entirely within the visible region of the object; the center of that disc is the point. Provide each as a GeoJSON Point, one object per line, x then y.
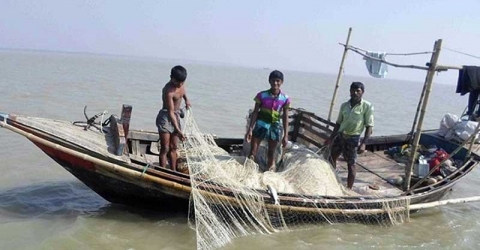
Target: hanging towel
{"type": "Point", "coordinates": [376, 68]}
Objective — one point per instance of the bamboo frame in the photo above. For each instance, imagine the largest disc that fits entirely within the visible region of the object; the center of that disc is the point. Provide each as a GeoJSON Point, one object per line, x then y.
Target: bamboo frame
{"type": "Point", "coordinates": [419, 105]}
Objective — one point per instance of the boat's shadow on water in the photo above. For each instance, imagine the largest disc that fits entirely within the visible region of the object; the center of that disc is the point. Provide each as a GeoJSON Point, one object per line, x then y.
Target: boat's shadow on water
{"type": "Point", "coordinates": [69, 200]}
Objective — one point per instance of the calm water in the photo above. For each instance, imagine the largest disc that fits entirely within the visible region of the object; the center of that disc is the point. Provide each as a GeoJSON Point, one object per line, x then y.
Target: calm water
{"type": "Point", "coordinates": [42, 206]}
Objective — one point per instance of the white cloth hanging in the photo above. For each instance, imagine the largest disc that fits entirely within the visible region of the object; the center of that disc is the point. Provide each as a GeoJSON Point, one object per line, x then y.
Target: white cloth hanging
{"type": "Point", "coordinates": [376, 68]}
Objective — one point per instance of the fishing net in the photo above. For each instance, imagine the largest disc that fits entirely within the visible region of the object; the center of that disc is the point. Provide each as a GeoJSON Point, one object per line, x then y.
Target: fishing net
{"type": "Point", "coordinates": [232, 197]}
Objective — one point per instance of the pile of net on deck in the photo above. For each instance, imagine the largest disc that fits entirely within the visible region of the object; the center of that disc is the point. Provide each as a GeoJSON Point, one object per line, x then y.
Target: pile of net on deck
{"type": "Point", "coordinates": [229, 195]}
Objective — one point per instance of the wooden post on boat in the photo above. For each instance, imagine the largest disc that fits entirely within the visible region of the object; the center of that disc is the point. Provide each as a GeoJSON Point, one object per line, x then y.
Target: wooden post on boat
{"type": "Point", "coordinates": [422, 96]}
{"type": "Point", "coordinates": [339, 76]}
{"type": "Point", "coordinates": [125, 118]}
{"type": "Point", "coordinates": [428, 87]}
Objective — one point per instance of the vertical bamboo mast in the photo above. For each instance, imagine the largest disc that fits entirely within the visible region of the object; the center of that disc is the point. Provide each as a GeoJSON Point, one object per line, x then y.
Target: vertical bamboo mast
{"type": "Point", "coordinates": [418, 108]}
{"type": "Point", "coordinates": [339, 76]}
{"type": "Point", "coordinates": [428, 83]}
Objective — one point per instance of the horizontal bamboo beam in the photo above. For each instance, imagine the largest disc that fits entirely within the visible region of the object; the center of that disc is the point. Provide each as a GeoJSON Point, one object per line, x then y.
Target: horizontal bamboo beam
{"type": "Point", "coordinates": [444, 202]}
{"type": "Point", "coordinates": [446, 67]}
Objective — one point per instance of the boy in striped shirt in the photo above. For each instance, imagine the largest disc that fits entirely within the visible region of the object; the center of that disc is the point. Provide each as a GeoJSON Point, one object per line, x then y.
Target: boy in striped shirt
{"type": "Point", "coordinates": [265, 121]}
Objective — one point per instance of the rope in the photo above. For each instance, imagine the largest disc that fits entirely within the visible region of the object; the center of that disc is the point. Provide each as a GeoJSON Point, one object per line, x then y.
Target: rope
{"type": "Point", "coordinates": [463, 53]}
{"type": "Point", "coordinates": [409, 54]}
{"type": "Point", "coordinates": [384, 61]}
{"type": "Point", "coordinates": [145, 169]}
{"type": "Point", "coordinates": [393, 54]}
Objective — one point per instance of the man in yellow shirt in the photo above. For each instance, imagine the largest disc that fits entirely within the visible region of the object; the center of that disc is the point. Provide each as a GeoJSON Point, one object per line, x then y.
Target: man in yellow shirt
{"type": "Point", "coordinates": [355, 115]}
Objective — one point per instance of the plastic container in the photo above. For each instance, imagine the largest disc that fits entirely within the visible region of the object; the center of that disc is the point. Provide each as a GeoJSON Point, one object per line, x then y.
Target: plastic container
{"type": "Point", "coordinates": [422, 168]}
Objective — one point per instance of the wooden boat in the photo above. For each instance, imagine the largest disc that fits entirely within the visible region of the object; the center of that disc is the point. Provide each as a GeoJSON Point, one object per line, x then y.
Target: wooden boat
{"type": "Point", "coordinates": [128, 178]}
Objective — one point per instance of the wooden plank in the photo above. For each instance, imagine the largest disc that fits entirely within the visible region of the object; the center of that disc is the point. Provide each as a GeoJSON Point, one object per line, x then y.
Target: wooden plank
{"type": "Point", "coordinates": [125, 117]}
{"type": "Point", "coordinates": [306, 123]}
{"type": "Point", "coordinates": [381, 164]}
{"type": "Point", "coordinates": [315, 131]}
{"type": "Point", "coordinates": [389, 139]}
{"type": "Point", "coordinates": [303, 137]}
{"type": "Point", "coordinates": [373, 169]}
{"type": "Point", "coordinates": [119, 140]}
{"type": "Point", "coordinates": [143, 135]}
{"type": "Point", "coordinates": [136, 147]}
{"type": "Point", "coordinates": [318, 119]}
{"type": "Point", "coordinates": [154, 148]}
{"type": "Point", "coordinates": [314, 135]}
{"type": "Point", "coordinates": [228, 141]}
{"type": "Point", "coordinates": [296, 127]}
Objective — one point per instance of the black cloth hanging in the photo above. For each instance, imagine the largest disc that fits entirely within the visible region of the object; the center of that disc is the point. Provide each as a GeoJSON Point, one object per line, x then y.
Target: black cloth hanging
{"type": "Point", "coordinates": [469, 82]}
{"type": "Point", "coordinates": [468, 79]}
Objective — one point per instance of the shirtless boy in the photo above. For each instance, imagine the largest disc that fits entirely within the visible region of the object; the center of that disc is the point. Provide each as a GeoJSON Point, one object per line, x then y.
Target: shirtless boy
{"type": "Point", "coordinates": [168, 118]}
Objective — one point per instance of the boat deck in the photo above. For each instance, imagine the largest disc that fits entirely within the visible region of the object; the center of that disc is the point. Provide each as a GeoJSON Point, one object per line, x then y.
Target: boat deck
{"type": "Point", "coordinates": [373, 168]}
{"type": "Point", "coordinates": [91, 139]}
{"type": "Point", "coordinates": [373, 171]}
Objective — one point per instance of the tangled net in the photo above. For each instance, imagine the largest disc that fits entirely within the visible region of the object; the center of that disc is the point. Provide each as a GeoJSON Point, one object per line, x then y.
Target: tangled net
{"type": "Point", "coordinates": [229, 198]}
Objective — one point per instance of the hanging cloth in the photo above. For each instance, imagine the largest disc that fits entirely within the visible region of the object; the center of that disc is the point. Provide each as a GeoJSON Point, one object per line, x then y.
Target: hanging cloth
{"type": "Point", "coordinates": [469, 82]}
{"type": "Point", "coordinates": [376, 68]}
{"type": "Point", "coordinates": [468, 79]}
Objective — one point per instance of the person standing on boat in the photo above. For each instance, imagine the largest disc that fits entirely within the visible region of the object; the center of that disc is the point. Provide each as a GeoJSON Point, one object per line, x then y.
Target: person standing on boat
{"type": "Point", "coordinates": [355, 115]}
{"type": "Point", "coordinates": [265, 120]}
{"type": "Point", "coordinates": [168, 118]}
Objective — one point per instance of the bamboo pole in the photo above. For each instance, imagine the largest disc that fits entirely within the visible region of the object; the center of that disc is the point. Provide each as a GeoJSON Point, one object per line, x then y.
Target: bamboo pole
{"type": "Point", "coordinates": [444, 202]}
{"type": "Point", "coordinates": [447, 67]}
{"type": "Point", "coordinates": [420, 101]}
{"type": "Point", "coordinates": [429, 81]}
{"type": "Point", "coordinates": [339, 76]}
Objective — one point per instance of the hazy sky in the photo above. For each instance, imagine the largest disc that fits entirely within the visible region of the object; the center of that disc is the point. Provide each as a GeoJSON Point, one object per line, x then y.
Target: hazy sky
{"type": "Point", "coordinates": [295, 35]}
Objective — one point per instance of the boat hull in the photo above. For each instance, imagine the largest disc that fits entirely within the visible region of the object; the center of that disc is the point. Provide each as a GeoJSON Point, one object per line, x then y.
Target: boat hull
{"type": "Point", "coordinates": [117, 188]}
